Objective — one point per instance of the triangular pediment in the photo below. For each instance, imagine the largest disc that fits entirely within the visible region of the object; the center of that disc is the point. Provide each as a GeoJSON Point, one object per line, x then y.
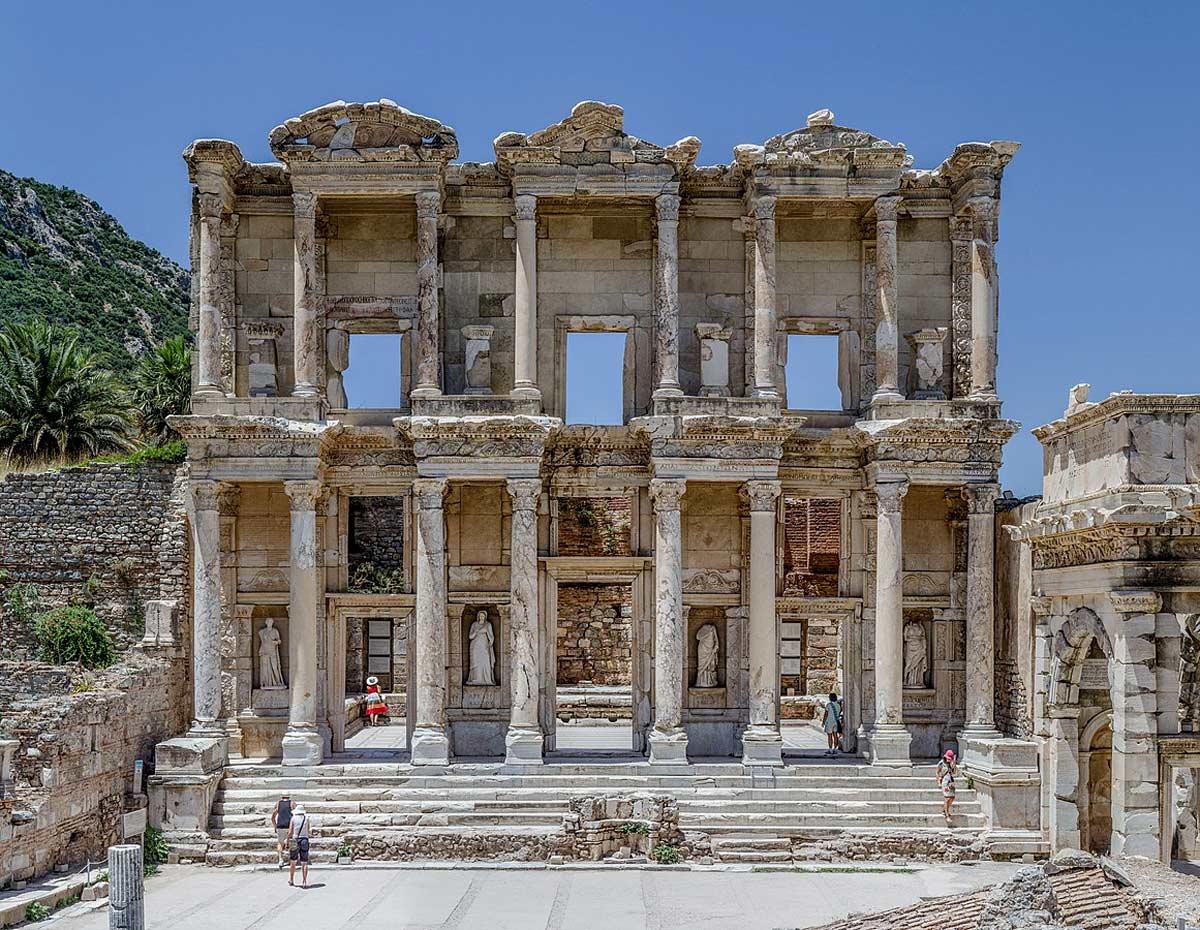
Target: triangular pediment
{"type": "Point", "coordinates": [378, 131]}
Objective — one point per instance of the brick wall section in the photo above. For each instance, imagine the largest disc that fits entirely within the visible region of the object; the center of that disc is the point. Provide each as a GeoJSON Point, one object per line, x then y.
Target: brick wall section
{"type": "Point", "coordinates": [377, 531]}
{"type": "Point", "coordinates": [593, 526]}
{"type": "Point", "coordinates": [812, 546]}
{"type": "Point", "coordinates": [594, 634]}
{"type": "Point", "coordinates": [75, 762]}
{"type": "Point", "coordinates": [124, 527]}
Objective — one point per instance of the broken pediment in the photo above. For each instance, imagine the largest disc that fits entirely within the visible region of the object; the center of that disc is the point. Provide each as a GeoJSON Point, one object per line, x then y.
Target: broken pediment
{"type": "Point", "coordinates": [823, 144]}
{"type": "Point", "coordinates": [382, 131]}
{"type": "Point", "coordinates": [593, 134]}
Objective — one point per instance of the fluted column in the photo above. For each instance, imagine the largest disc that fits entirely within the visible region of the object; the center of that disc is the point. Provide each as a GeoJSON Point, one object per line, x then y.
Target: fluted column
{"type": "Point", "coordinates": [981, 639]}
{"type": "Point", "coordinates": [523, 742]}
{"type": "Point", "coordinates": [887, 304]}
{"type": "Point", "coordinates": [889, 739]}
{"type": "Point", "coordinates": [668, 739]}
{"type": "Point", "coordinates": [429, 204]}
{"type": "Point", "coordinates": [208, 337]}
{"type": "Point", "coordinates": [430, 743]}
{"type": "Point", "coordinates": [983, 299]}
{"type": "Point", "coordinates": [307, 337]}
{"type": "Point", "coordinates": [666, 296]}
{"type": "Point", "coordinates": [763, 208]}
{"type": "Point", "coordinates": [525, 377]}
{"type": "Point", "coordinates": [126, 888]}
{"type": "Point", "coordinates": [206, 609]}
{"type": "Point", "coordinates": [762, 743]}
{"type": "Point", "coordinates": [302, 741]}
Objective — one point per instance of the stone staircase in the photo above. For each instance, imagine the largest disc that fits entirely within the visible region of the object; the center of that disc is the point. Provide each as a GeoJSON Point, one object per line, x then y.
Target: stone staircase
{"type": "Point", "coordinates": [750, 817]}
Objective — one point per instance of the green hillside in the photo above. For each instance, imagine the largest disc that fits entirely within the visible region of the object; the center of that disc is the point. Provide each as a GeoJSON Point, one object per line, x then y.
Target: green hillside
{"type": "Point", "coordinates": [63, 258]}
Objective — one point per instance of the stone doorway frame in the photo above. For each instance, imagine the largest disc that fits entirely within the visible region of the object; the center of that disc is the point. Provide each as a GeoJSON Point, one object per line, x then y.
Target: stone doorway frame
{"type": "Point", "coordinates": [636, 571]}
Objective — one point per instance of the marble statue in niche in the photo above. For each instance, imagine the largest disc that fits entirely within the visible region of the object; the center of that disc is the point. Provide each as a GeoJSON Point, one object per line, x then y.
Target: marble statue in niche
{"type": "Point", "coordinates": [916, 657]}
{"type": "Point", "coordinates": [270, 671]}
{"type": "Point", "coordinates": [481, 653]}
{"type": "Point", "coordinates": [708, 650]}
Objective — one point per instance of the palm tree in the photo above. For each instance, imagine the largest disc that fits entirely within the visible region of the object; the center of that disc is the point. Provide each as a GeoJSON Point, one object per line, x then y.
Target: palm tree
{"type": "Point", "coordinates": [56, 402]}
{"type": "Point", "coordinates": [162, 386]}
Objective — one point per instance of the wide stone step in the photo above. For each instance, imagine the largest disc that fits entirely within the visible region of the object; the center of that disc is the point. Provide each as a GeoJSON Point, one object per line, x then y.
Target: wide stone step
{"type": "Point", "coordinates": [823, 807]}
{"type": "Point", "coordinates": [755, 855]}
{"type": "Point", "coordinates": [743, 843]}
{"type": "Point", "coordinates": [337, 824]}
{"type": "Point", "coordinates": [792, 822]}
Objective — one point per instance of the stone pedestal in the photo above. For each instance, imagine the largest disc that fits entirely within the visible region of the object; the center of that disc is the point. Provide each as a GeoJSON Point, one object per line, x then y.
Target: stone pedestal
{"type": "Point", "coordinates": [430, 744]}
{"type": "Point", "coordinates": [477, 368]}
{"type": "Point", "coordinates": [308, 340]}
{"type": "Point", "coordinates": [888, 737]}
{"type": "Point", "coordinates": [887, 309]}
{"type": "Point", "coordinates": [525, 298]}
{"type": "Point", "coordinates": [429, 204]}
{"type": "Point", "coordinates": [523, 742]}
{"type": "Point", "coordinates": [714, 359]}
{"type": "Point", "coordinates": [763, 207]}
{"type": "Point", "coordinates": [187, 773]}
{"type": "Point", "coordinates": [762, 743]}
{"type": "Point", "coordinates": [666, 296]}
{"type": "Point", "coordinates": [983, 300]}
{"type": "Point", "coordinates": [668, 739]}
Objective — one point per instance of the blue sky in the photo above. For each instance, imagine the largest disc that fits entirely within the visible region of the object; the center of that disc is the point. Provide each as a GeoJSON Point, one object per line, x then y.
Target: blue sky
{"type": "Point", "coordinates": [1098, 227]}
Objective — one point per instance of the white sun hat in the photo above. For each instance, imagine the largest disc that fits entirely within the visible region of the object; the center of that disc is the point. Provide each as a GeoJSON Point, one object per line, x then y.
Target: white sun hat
{"type": "Point", "coordinates": [372, 680]}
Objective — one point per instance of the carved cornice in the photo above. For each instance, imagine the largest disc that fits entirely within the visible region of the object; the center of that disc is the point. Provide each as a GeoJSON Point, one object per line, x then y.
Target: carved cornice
{"type": "Point", "coordinates": [1116, 405]}
{"type": "Point", "coordinates": [1136, 602]}
{"type": "Point", "coordinates": [254, 428]}
{"type": "Point", "coordinates": [745, 439]}
{"type": "Point", "coordinates": [480, 438]}
{"type": "Point", "coordinates": [212, 157]}
{"type": "Point", "coordinates": [919, 440]}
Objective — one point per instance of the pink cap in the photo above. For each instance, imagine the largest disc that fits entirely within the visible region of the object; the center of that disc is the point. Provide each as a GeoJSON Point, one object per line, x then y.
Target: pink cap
{"type": "Point", "coordinates": [949, 754]}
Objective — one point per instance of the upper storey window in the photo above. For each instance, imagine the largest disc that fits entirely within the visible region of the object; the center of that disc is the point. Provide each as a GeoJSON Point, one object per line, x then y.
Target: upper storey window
{"type": "Point", "coordinates": [595, 378]}
{"type": "Point", "coordinates": [811, 373]}
{"type": "Point", "coordinates": [372, 379]}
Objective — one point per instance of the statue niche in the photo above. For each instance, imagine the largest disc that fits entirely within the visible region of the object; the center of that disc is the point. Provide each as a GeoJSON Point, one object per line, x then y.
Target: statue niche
{"type": "Point", "coordinates": [708, 652]}
{"type": "Point", "coordinates": [479, 649]}
{"type": "Point", "coordinates": [916, 655]}
{"type": "Point", "coordinates": [270, 667]}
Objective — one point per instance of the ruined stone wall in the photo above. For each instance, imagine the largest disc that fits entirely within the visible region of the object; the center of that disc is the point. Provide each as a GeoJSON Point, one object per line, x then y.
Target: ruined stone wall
{"type": "Point", "coordinates": [591, 526]}
{"type": "Point", "coordinates": [112, 536]}
{"type": "Point", "coordinates": [812, 546]}
{"type": "Point", "coordinates": [595, 634]}
{"type": "Point", "coordinates": [75, 762]}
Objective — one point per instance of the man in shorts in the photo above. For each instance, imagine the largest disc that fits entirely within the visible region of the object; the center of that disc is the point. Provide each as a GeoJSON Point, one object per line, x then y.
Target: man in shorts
{"type": "Point", "coordinates": [281, 819]}
{"type": "Point", "coordinates": [298, 834]}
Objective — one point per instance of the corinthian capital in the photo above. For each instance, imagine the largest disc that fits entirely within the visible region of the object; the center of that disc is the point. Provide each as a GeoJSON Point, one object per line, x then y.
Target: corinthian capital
{"type": "Point", "coordinates": [760, 495]}
{"type": "Point", "coordinates": [525, 207]}
{"type": "Point", "coordinates": [429, 492]}
{"type": "Point", "coordinates": [429, 204]}
{"type": "Point", "coordinates": [762, 208]}
{"type": "Point", "coordinates": [303, 494]}
{"type": "Point", "coordinates": [205, 494]}
{"type": "Point", "coordinates": [983, 217]}
{"type": "Point", "coordinates": [981, 498]}
{"type": "Point", "coordinates": [666, 493]}
{"type": "Point", "coordinates": [886, 209]}
{"type": "Point", "coordinates": [666, 206]}
{"type": "Point", "coordinates": [304, 203]}
{"type": "Point", "coordinates": [889, 495]}
{"type": "Point", "coordinates": [525, 492]}
{"type": "Point", "coordinates": [210, 205]}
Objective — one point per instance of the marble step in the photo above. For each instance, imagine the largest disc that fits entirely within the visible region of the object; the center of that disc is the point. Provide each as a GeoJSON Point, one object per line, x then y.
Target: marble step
{"type": "Point", "coordinates": [742, 842]}
{"type": "Point", "coordinates": [799, 823]}
{"type": "Point", "coordinates": [930, 806]}
{"type": "Point", "coordinates": [322, 825]}
{"type": "Point", "coordinates": [755, 855]}
{"type": "Point", "coordinates": [575, 784]}
{"type": "Point", "coordinates": [641, 771]}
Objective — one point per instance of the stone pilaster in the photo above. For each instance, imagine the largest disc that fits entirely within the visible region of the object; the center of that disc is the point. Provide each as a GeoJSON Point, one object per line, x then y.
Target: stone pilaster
{"type": "Point", "coordinates": [762, 743]}
{"type": "Point", "coordinates": [525, 377]}
{"type": "Point", "coordinates": [887, 304]}
{"type": "Point", "coordinates": [430, 743]}
{"type": "Point", "coordinates": [981, 639]}
{"type": "Point", "coordinates": [666, 296]}
{"type": "Point", "coordinates": [523, 742]}
{"type": "Point", "coordinates": [306, 321]}
{"type": "Point", "coordinates": [668, 739]}
{"type": "Point", "coordinates": [889, 738]}
{"type": "Point", "coordinates": [983, 299]}
{"type": "Point", "coordinates": [429, 205]}
{"type": "Point", "coordinates": [1062, 775]}
{"type": "Point", "coordinates": [206, 608]}
{"type": "Point", "coordinates": [302, 744]}
{"type": "Point", "coordinates": [209, 382]}
{"type": "Point", "coordinates": [764, 296]}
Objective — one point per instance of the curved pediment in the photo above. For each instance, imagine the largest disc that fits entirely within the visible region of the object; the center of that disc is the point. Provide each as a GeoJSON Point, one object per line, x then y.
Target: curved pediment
{"type": "Point", "coordinates": [823, 143]}
{"type": "Point", "coordinates": [379, 131]}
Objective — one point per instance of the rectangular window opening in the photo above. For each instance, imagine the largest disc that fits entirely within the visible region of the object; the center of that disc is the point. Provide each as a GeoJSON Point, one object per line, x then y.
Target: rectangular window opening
{"type": "Point", "coordinates": [372, 380]}
{"type": "Point", "coordinates": [812, 373]}
{"type": "Point", "coordinates": [595, 378]}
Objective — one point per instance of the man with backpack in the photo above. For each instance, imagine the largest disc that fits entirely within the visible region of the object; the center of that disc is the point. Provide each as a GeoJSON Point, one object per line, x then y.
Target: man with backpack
{"type": "Point", "coordinates": [298, 835]}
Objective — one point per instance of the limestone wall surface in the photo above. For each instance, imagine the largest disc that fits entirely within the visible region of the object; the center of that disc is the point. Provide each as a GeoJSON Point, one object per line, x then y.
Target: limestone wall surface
{"type": "Point", "coordinates": [113, 536]}
{"type": "Point", "coordinates": [595, 634]}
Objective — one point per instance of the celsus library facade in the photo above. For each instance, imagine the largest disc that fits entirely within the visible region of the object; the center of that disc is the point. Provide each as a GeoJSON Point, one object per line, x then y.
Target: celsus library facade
{"type": "Point", "coordinates": [725, 553]}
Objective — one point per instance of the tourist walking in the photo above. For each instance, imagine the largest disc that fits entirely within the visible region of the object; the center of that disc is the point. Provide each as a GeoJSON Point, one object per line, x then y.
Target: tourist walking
{"type": "Point", "coordinates": [281, 820]}
{"type": "Point", "coordinates": [376, 707]}
{"type": "Point", "coordinates": [831, 723]}
{"type": "Point", "coordinates": [298, 833]}
{"type": "Point", "coordinates": [947, 768]}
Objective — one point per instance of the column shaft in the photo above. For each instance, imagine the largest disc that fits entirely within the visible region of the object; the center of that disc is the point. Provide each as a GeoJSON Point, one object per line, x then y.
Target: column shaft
{"type": "Point", "coordinates": [430, 744]}
{"type": "Point", "coordinates": [983, 299]}
{"type": "Point", "coordinates": [668, 740]}
{"type": "Point", "coordinates": [525, 376]}
{"type": "Point", "coordinates": [524, 739]}
{"type": "Point", "coordinates": [887, 304]}
{"type": "Point", "coordinates": [762, 743]}
{"type": "Point", "coordinates": [889, 738]}
{"type": "Point", "coordinates": [208, 338]}
{"type": "Point", "coordinates": [206, 608]}
{"type": "Point", "coordinates": [307, 337]}
{"type": "Point", "coordinates": [302, 742]}
{"type": "Point", "coordinates": [981, 639]}
{"type": "Point", "coordinates": [764, 297]}
{"type": "Point", "coordinates": [428, 342]}
{"type": "Point", "coordinates": [666, 296]}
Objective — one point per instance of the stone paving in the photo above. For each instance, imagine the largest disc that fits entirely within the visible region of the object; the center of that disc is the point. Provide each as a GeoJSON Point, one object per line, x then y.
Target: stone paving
{"type": "Point", "coordinates": [195, 898]}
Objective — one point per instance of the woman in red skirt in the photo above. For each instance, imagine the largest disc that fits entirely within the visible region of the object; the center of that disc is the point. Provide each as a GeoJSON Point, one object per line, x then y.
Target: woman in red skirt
{"type": "Point", "coordinates": [376, 707]}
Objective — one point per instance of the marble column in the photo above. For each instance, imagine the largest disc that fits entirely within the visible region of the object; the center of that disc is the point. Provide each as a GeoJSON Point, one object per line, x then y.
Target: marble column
{"type": "Point", "coordinates": [762, 743]}
{"type": "Point", "coordinates": [209, 382]}
{"type": "Point", "coordinates": [889, 738]}
{"type": "Point", "coordinates": [887, 303]}
{"type": "Point", "coordinates": [206, 609]}
{"type": "Point", "coordinates": [666, 296]}
{"type": "Point", "coordinates": [430, 742]}
{"type": "Point", "coordinates": [983, 299]}
{"type": "Point", "coordinates": [302, 741]}
{"type": "Point", "coordinates": [429, 204]}
{"type": "Point", "coordinates": [668, 739]}
{"type": "Point", "coordinates": [764, 296]}
{"type": "Point", "coordinates": [307, 338]}
{"type": "Point", "coordinates": [525, 377]}
{"type": "Point", "coordinates": [981, 638]}
{"type": "Point", "coordinates": [523, 743]}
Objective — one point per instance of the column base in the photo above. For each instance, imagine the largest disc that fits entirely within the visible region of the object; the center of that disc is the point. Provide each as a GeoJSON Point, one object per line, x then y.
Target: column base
{"type": "Point", "coordinates": [987, 397]}
{"type": "Point", "coordinates": [523, 746]}
{"type": "Point", "coordinates": [526, 392]}
{"type": "Point", "coordinates": [762, 745]}
{"type": "Point", "coordinates": [207, 729]}
{"type": "Point", "coordinates": [886, 397]}
{"type": "Point", "coordinates": [972, 749]}
{"type": "Point", "coordinates": [430, 746]}
{"type": "Point", "coordinates": [307, 391]}
{"type": "Point", "coordinates": [668, 390]}
{"type": "Point", "coordinates": [425, 391]}
{"type": "Point", "coordinates": [764, 392]}
{"type": "Point", "coordinates": [210, 392]}
{"type": "Point", "coordinates": [302, 746]}
{"type": "Point", "coordinates": [668, 748]}
{"type": "Point", "coordinates": [890, 744]}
